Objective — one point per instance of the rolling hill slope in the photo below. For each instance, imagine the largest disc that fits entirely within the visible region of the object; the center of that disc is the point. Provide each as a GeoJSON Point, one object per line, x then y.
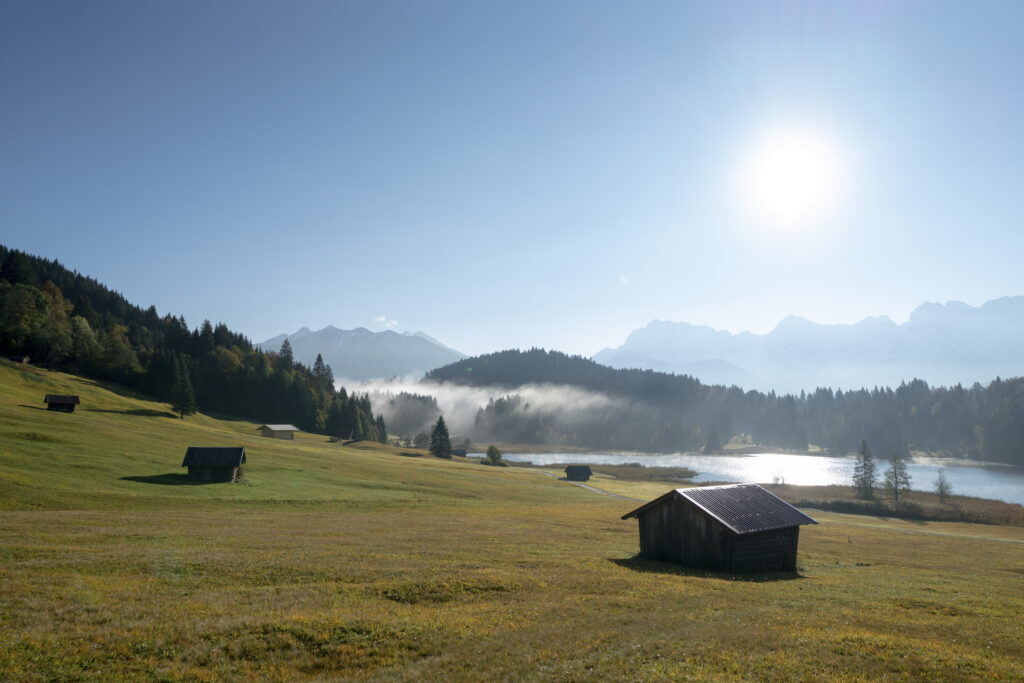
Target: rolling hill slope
{"type": "Point", "coordinates": [119, 451]}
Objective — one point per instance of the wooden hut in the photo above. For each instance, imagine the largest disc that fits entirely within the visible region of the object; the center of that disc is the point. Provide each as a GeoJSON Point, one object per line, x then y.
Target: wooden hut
{"type": "Point", "coordinates": [578, 472]}
{"type": "Point", "coordinates": [213, 464]}
{"type": "Point", "coordinates": [286, 432]}
{"type": "Point", "coordinates": [738, 528]}
{"type": "Point", "coordinates": [60, 402]}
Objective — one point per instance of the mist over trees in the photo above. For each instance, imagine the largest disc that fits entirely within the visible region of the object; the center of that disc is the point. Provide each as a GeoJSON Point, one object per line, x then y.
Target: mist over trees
{"type": "Point", "coordinates": [659, 412]}
{"type": "Point", "coordinates": [64, 320]}
{"type": "Point", "coordinates": [406, 413]}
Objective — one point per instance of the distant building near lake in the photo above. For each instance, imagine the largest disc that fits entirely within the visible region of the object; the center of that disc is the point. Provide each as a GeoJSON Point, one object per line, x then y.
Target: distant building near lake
{"type": "Point", "coordinates": [578, 472]}
{"type": "Point", "coordinates": [61, 402]}
{"type": "Point", "coordinates": [286, 432]}
{"type": "Point", "coordinates": [739, 528]}
{"type": "Point", "coordinates": [213, 464]}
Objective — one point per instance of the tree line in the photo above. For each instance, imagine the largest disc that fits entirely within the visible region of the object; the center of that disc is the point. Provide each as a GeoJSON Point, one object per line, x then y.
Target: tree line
{"type": "Point", "coordinates": [68, 321]}
{"type": "Point", "coordinates": [661, 412]}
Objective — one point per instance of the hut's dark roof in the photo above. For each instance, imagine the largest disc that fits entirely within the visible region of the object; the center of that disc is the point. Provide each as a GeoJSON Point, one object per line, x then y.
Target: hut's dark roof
{"type": "Point", "coordinates": [197, 456]}
{"type": "Point", "coordinates": [61, 399]}
{"type": "Point", "coordinates": [279, 428]}
{"type": "Point", "coordinates": [578, 468]}
{"type": "Point", "coordinates": [742, 508]}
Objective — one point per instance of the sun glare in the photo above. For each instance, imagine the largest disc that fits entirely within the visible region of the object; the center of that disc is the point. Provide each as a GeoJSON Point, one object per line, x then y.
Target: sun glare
{"type": "Point", "coordinates": [791, 177]}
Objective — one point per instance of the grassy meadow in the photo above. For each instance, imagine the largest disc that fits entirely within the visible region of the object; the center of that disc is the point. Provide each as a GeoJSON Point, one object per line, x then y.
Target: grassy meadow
{"type": "Point", "coordinates": [330, 561]}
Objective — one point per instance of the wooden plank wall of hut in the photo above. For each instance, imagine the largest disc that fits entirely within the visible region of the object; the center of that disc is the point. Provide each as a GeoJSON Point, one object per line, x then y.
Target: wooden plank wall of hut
{"type": "Point", "coordinates": [676, 531]}
{"type": "Point", "coordinates": [213, 473]}
{"type": "Point", "coordinates": [765, 551]}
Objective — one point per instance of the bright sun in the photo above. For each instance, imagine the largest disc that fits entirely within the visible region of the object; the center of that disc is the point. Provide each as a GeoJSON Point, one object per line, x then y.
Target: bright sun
{"type": "Point", "coordinates": [791, 177]}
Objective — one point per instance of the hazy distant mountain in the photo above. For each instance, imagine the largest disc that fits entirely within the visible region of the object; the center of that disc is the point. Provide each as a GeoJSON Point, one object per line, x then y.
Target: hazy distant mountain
{"type": "Point", "coordinates": [361, 354]}
{"type": "Point", "coordinates": [941, 343]}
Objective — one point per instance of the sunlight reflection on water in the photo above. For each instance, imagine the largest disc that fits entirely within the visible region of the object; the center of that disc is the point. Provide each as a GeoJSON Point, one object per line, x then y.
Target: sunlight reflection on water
{"type": "Point", "coordinates": [969, 479]}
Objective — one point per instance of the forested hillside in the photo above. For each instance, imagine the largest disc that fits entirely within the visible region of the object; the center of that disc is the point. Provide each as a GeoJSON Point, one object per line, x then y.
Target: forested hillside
{"type": "Point", "coordinates": [661, 412]}
{"type": "Point", "coordinates": [65, 320]}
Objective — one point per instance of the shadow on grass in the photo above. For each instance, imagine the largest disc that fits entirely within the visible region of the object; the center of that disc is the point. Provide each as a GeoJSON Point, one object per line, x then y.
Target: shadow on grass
{"type": "Point", "coordinates": [137, 412]}
{"type": "Point", "coordinates": [640, 564]}
{"type": "Point", "coordinates": [174, 479]}
{"type": "Point", "coordinates": [22, 405]}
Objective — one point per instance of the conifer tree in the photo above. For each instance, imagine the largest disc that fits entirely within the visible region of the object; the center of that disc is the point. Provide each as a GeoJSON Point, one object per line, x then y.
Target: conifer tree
{"type": "Point", "coordinates": [183, 398]}
{"type": "Point", "coordinates": [864, 473]}
{"type": "Point", "coordinates": [286, 355]}
{"type": "Point", "coordinates": [440, 442]}
{"type": "Point", "coordinates": [896, 477]}
{"type": "Point", "coordinates": [322, 374]}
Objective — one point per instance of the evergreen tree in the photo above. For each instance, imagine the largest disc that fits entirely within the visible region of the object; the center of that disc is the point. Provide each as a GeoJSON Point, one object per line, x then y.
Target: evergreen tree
{"type": "Point", "coordinates": [943, 487]}
{"type": "Point", "coordinates": [864, 473]}
{"type": "Point", "coordinates": [286, 355]}
{"type": "Point", "coordinates": [896, 477]}
{"type": "Point", "coordinates": [440, 442]}
{"type": "Point", "coordinates": [17, 269]}
{"type": "Point", "coordinates": [183, 398]}
{"type": "Point", "coordinates": [322, 374]}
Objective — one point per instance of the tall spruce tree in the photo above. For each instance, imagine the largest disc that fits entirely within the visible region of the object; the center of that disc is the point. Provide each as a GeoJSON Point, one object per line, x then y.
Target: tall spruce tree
{"type": "Point", "coordinates": [896, 477]}
{"type": "Point", "coordinates": [864, 475]}
{"type": "Point", "coordinates": [322, 374]}
{"type": "Point", "coordinates": [440, 442]}
{"type": "Point", "coordinates": [286, 355]}
{"type": "Point", "coordinates": [183, 398]}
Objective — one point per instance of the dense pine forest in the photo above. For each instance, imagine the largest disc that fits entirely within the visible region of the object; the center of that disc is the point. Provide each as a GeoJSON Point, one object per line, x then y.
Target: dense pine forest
{"type": "Point", "coordinates": [661, 412]}
{"type": "Point", "coordinates": [64, 320]}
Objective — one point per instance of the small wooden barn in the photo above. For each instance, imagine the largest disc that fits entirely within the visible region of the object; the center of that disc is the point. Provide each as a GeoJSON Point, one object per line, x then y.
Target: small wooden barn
{"type": "Point", "coordinates": [578, 472]}
{"type": "Point", "coordinates": [213, 464]}
{"type": "Point", "coordinates": [738, 528]}
{"type": "Point", "coordinates": [61, 402]}
{"type": "Point", "coordinates": [286, 432]}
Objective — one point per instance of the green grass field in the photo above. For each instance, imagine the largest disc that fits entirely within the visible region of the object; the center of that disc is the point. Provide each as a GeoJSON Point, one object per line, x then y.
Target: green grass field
{"type": "Point", "coordinates": [331, 561]}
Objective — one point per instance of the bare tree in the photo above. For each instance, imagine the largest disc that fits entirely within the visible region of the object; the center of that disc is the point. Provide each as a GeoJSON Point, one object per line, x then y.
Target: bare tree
{"type": "Point", "coordinates": [943, 487]}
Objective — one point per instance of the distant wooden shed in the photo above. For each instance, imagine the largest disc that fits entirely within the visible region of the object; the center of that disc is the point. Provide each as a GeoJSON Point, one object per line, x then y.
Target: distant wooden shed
{"type": "Point", "coordinates": [61, 402]}
{"type": "Point", "coordinates": [739, 528]}
{"type": "Point", "coordinates": [578, 472]}
{"type": "Point", "coordinates": [213, 464]}
{"type": "Point", "coordinates": [286, 432]}
{"type": "Point", "coordinates": [461, 452]}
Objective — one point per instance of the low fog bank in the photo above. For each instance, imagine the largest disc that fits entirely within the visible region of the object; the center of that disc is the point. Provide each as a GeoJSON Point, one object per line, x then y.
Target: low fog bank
{"type": "Point", "coordinates": [396, 400]}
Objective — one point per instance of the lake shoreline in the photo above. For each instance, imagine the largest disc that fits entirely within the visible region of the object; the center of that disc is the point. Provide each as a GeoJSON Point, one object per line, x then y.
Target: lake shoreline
{"type": "Point", "coordinates": [994, 481]}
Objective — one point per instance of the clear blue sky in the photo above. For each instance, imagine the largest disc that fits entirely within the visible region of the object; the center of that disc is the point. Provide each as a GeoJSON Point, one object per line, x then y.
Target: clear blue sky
{"type": "Point", "coordinates": [503, 174]}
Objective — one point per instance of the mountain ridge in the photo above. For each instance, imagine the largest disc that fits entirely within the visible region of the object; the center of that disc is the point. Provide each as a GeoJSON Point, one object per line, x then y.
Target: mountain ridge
{"type": "Point", "coordinates": [362, 354]}
{"type": "Point", "coordinates": [951, 343]}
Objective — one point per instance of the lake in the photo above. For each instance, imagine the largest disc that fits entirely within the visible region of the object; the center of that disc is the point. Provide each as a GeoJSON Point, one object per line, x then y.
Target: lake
{"type": "Point", "coordinates": [998, 482]}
